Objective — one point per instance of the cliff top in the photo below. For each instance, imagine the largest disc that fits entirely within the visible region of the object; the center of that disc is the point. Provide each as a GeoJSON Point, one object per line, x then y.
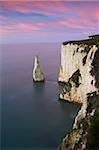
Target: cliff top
{"type": "Point", "coordinates": [93, 39]}
{"type": "Point", "coordinates": [94, 36]}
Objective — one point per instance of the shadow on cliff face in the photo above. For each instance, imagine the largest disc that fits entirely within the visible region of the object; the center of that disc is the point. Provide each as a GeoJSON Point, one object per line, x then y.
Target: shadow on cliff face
{"type": "Point", "coordinates": [93, 137]}
{"type": "Point", "coordinates": [93, 140]}
{"type": "Point", "coordinates": [95, 69]}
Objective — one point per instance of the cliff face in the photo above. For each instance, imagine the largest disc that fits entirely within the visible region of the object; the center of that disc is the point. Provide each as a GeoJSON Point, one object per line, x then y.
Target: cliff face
{"type": "Point", "coordinates": [76, 64]}
{"type": "Point", "coordinates": [79, 71]}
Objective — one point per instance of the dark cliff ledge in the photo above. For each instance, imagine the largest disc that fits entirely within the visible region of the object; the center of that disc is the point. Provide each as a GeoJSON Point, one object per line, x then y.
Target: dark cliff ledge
{"type": "Point", "coordinates": [94, 39]}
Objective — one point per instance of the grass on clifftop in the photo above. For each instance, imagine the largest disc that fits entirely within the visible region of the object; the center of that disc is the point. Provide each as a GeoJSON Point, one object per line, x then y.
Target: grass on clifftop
{"type": "Point", "coordinates": [93, 40]}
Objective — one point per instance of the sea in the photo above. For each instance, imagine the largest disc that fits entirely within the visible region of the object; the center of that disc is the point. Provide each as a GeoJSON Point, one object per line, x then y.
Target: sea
{"type": "Point", "coordinates": [32, 116]}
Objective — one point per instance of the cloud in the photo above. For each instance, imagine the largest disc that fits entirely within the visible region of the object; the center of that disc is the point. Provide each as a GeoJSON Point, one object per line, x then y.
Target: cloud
{"type": "Point", "coordinates": [38, 17]}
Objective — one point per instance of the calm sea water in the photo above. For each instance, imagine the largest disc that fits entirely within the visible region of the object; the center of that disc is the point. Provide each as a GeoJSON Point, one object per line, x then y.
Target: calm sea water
{"type": "Point", "coordinates": [32, 115]}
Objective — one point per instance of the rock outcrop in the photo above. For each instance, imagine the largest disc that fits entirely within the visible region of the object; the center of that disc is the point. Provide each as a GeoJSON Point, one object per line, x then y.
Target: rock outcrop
{"type": "Point", "coordinates": [38, 75]}
{"type": "Point", "coordinates": [79, 72]}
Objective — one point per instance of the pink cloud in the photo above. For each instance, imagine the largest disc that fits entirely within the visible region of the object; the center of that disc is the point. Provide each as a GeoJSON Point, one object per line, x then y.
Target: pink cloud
{"type": "Point", "coordinates": [43, 7]}
{"type": "Point", "coordinates": [55, 7]}
{"type": "Point", "coordinates": [35, 27]}
{"type": "Point", "coordinates": [97, 14]}
{"type": "Point", "coordinates": [85, 13]}
{"type": "Point", "coordinates": [22, 28]}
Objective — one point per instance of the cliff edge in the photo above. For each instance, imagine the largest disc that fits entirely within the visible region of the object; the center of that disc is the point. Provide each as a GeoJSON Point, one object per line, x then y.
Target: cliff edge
{"type": "Point", "coordinates": [79, 73]}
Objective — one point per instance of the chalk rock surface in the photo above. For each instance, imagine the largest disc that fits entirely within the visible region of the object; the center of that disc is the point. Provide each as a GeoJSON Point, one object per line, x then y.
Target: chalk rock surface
{"type": "Point", "coordinates": [37, 73]}
{"type": "Point", "coordinates": [79, 74]}
{"type": "Point", "coordinates": [75, 70]}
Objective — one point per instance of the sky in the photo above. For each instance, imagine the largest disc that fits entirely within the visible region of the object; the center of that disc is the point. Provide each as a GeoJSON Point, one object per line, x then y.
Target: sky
{"type": "Point", "coordinates": [47, 21]}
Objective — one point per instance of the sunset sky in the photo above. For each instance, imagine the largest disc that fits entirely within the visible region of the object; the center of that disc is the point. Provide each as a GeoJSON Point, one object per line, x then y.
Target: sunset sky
{"type": "Point", "coordinates": [47, 21]}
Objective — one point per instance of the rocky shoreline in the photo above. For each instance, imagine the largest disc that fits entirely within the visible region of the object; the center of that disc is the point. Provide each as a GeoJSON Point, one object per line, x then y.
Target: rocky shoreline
{"type": "Point", "coordinates": [79, 71]}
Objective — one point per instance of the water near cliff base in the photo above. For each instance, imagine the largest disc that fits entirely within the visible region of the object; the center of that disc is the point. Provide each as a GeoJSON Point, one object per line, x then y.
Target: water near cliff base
{"type": "Point", "coordinates": [32, 116]}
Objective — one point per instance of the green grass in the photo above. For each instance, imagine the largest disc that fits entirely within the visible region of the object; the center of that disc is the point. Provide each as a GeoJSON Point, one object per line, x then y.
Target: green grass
{"type": "Point", "coordinates": [92, 41]}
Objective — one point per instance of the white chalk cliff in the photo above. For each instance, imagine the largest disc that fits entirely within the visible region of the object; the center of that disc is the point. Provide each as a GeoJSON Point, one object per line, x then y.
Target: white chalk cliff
{"type": "Point", "coordinates": [37, 73]}
{"type": "Point", "coordinates": [79, 71]}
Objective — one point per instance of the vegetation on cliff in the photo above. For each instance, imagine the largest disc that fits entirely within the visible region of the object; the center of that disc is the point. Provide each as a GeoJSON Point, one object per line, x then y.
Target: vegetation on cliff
{"type": "Point", "coordinates": [93, 40]}
{"type": "Point", "coordinates": [93, 136]}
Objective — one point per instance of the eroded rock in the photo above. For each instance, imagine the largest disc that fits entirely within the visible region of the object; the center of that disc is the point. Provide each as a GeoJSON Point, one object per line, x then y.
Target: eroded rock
{"type": "Point", "coordinates": [38, 75]}
{"type": "Point", "coordinates": [80, 73]}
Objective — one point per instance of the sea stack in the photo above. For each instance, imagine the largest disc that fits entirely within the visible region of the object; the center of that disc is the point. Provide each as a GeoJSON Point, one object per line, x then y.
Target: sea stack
{"type": "Point", "coordinates": [38, 75]}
